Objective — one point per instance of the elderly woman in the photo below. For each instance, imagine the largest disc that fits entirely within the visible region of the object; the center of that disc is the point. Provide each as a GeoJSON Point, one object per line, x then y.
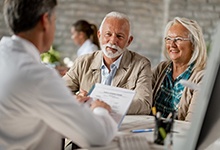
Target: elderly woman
{"type": "Point", "coordinates": [185, 50]}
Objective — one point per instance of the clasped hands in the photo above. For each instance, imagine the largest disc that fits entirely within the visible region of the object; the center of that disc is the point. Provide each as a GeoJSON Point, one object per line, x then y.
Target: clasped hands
{"type": "Point", "coordinates": [82, 97]}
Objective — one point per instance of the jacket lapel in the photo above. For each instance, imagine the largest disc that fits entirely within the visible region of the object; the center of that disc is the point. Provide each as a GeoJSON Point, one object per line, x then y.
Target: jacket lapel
{"type": "Point", "coordinates": [120, 73]}
{"type": "Point", "coordinates": [123, 67]}
{"type": "Point", "coordinates": [95, 67]}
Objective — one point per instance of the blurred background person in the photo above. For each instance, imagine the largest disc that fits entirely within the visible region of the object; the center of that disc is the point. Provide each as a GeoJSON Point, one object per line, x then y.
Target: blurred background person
{"type": "Point", "coordinates": [186, 54]}
{"type": "Point", "coordinates": [84, 35]}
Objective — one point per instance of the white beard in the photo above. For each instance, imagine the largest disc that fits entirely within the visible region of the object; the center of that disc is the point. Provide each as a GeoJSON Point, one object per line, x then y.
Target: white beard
{"type": "Point", "coordinates": [110, 54]}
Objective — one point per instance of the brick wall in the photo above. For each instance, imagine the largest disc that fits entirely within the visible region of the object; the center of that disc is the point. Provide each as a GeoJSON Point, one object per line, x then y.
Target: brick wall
{"type": "Point", "coordinates": [148, 18]}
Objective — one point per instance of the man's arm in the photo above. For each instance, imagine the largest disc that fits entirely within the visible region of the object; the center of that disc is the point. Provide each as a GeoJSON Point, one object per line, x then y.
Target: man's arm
{"type": "Point", "coordinates": [72, 79]}
{"type": "Point", "coordinates": [142, 101]}
{"type": "Point", "coordinates": [62, 112]}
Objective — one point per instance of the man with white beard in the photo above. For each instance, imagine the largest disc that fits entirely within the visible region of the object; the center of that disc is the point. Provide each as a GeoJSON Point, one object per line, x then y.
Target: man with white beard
{"type": "Point", "coordinates": [127, 69]}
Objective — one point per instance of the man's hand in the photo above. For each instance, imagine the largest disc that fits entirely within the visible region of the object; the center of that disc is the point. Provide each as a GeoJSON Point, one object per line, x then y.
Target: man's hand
{"type": "Point", "coordinates": [82, 96]}
{"type": "Point", "coordinates": [82, 99]}
{"type": "Point", "coordinates": [82, 92]}
{"type": "Point", "coordinates": [99, 103]}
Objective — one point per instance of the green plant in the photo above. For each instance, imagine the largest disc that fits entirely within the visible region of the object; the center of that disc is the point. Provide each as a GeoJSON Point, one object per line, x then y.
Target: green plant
{"type": "Point", "coordinates": [52, 56]}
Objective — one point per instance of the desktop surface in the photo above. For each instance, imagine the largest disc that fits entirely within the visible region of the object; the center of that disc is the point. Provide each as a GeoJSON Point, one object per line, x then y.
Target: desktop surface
{"type": "Point", "coordinates": [133, 122]}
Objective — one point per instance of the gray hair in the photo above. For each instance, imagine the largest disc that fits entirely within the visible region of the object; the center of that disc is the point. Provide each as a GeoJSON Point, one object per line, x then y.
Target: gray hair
{"type": "Point", "coordinates": [116, 15]}
{"type": "Point", "coordinates": [23, 15]}
{"type": "Point", "coordinates": [199, 56]}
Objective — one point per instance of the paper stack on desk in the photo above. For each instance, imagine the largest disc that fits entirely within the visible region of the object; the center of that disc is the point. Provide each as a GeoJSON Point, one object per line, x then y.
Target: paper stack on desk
{"type": "Point", "coordinates": [118, 98]}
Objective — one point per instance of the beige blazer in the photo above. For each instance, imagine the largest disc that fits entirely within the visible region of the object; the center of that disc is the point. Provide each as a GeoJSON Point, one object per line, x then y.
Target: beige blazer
{"type": "Point", "coordinates": [134, 73]}
{"type": "Point", "coordinates": [188, 99]}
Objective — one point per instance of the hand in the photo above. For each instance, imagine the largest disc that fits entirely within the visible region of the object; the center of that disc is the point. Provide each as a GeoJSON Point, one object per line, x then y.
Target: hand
{"type": "Point", "coordinates": [82, 93]}
{"type": "Point", "coordinates": [99, 103]}
{"type": "Point", "coordinates": [82, 96]}
{"type": "Point", "coordinates": [82, 99]}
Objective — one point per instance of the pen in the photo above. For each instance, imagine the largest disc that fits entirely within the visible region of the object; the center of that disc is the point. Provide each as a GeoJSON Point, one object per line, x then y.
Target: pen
{"type": "Point", "coordinates": [142, 130]}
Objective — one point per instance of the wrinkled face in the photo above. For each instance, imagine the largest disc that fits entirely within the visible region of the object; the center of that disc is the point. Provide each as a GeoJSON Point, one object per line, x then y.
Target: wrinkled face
{"type": "Point", "coordinates": [178, 45]}
{"type": "Point", "coordinates": [114, 37]}
{"type": "Point", "coordinates": [75, 36]}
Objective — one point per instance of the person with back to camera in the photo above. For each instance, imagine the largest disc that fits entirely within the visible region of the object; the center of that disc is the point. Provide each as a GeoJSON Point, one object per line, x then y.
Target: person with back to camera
{"type": "Point", "coordinates": [127, 69]}
{"type": "Point", "coordinates": [84, 35]}
{"type": "Point", "coordinates": [35, 114]}
{"type": "Point", "coordinates": [185, 50]}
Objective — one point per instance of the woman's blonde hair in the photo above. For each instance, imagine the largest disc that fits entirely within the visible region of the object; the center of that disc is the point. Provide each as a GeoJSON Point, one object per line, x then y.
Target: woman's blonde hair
{"type": "Point", "coordinates": [199, 56]}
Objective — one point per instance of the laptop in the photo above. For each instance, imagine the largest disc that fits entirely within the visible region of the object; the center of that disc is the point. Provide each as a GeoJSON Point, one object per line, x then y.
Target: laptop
{"type": "Point", "coordinates": [205, 124]}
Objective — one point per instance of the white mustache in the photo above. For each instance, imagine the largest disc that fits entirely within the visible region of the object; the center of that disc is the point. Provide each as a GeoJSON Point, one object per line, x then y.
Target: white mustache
{"type": "Point", "coordinates": [109, 53]}
{"type": "Point", "coordinates": [112, 46]}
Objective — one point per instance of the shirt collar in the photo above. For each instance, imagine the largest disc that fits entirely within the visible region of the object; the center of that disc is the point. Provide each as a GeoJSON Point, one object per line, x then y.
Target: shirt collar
{"type": "Point", "coordinates": [28, 47]}
{"type": "Point", "coordinates": [116, 63]}
{"type": "Point", "coordinates": [183, 75]}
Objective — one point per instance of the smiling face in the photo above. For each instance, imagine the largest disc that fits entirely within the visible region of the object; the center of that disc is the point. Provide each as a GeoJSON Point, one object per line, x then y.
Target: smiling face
{"type": "Point", "coordinates": [114, 37]}
{"type": "Point", "coordinates": [179, 51]}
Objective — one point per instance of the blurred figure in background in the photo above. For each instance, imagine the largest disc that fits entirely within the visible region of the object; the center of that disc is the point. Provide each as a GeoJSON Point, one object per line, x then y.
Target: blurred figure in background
{"type": "Point", "coordinates": [84, 35]}
{"type": "Point", "coordinates": [186, 54]}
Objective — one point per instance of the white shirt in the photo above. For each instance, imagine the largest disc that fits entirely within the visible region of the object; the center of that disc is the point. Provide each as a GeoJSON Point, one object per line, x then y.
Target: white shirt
{"type": "Point", "coordinates": [37, 109]}
{"type": "Point", "coordinates": [87, 47]}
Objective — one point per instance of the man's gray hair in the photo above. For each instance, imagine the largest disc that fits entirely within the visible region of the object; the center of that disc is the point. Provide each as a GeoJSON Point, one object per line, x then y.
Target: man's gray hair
{"type": "Point", "coordinates": [118, 15]}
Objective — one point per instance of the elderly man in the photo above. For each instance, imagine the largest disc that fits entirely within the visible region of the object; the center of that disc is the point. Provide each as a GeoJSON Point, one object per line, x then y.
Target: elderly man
{"type": "Point", "coordinates": [114, 65]}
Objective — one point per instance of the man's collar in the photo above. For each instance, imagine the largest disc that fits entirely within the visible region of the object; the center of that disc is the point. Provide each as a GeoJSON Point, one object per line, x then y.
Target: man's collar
{"type": "Point", "coordinates": [116, 62]}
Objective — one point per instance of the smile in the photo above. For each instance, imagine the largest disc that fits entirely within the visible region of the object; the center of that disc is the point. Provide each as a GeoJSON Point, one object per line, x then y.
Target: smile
{"type": "Point", "coordinates": [110, 48]}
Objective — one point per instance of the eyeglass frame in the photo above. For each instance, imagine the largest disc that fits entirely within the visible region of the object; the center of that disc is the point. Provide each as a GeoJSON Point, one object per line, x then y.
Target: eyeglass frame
{"type": "Point", "coordinates": [169, 40]}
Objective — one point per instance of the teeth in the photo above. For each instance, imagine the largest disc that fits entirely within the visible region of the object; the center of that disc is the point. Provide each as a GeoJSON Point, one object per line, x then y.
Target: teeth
{"type": "Point", "coordinates": [175, 51]}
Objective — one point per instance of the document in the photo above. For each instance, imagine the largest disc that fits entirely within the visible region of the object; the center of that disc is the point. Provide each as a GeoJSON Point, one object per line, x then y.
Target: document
{"type": "Point", "coordinates": [118, 98]}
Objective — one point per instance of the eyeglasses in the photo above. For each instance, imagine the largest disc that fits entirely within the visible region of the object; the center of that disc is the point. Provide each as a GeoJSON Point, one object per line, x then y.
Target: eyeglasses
{"type": "Point", "coordinates": [176, 40]}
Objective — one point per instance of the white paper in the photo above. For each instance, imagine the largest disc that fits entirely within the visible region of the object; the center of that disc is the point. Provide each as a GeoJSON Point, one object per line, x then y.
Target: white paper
{"type": "Point", "coordinates": [118, 98]}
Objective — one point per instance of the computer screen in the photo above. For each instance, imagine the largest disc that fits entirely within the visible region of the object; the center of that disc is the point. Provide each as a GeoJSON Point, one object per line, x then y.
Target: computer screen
{"type": "Point", "coordinates": [211, 123]}
{"type": "Point", "coordinates": [205, 125]}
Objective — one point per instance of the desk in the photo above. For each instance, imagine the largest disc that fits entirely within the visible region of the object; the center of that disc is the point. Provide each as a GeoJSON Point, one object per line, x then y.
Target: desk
{"type": "Point", "coordinates": [131, 122]}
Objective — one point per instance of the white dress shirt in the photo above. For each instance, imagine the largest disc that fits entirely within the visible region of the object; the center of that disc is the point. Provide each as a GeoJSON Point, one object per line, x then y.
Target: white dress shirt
{"type": "Point", "coordinates": [87, 47]}
{"type": "Point", "coordinates": [37, 109]}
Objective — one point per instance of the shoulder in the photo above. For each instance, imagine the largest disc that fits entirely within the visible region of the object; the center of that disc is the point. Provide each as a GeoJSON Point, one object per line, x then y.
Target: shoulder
{"type": "Point", "coordinates": [88, 59]}
{"type": "Point", "coordinates": [161, 66]}
{"type": "Point", "coordinates": [90, 45]}
{"type": "Point", "coordinates": [160, 69]}
{"type": "Point", "coordinates": [136, 57]}
{"type": "Point", "coordinates": [197, 75]}
{"type": "Point", "coordinates": [94, 47]}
